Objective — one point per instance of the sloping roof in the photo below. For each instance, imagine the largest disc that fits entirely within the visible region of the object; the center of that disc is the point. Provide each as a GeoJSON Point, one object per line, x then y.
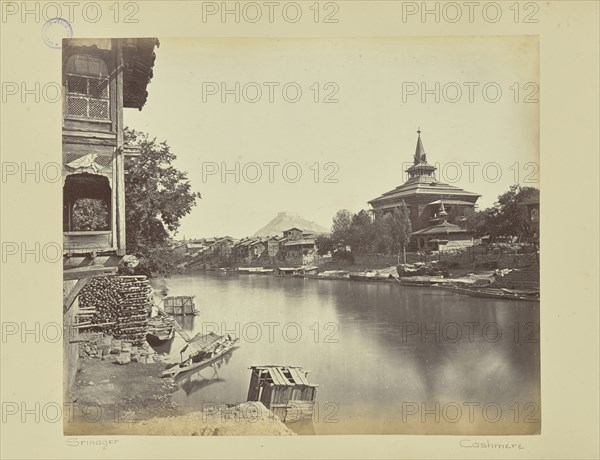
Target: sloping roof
{"type": "Point", "coordinates": [300, 242]}
{"type": "Point", "coordinates": [257, 241]}
{"type": "Point", "coordinates": [452, 202]}
{"type": "Point", "coordinates": [412, 188]}
{"type": "Point", "coordinates": [443, 228]}
{"type": "Point", "coordinates": [138, 62]}
{"type": "Point", "coordinates": [201, 342]}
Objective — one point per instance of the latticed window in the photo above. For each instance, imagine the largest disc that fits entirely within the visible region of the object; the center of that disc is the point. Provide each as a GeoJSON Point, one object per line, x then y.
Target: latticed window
{"type": "Point", "coordinates": [87, 85]}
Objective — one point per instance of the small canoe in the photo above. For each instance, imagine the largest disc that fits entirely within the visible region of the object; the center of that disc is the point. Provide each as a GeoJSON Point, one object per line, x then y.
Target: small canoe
{"type": "Point", "coordinates": [158, 337]}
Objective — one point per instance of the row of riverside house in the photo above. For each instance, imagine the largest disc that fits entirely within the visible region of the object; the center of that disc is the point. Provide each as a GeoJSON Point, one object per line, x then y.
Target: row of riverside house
{"type": "Point", "coordinates": [294, 246]}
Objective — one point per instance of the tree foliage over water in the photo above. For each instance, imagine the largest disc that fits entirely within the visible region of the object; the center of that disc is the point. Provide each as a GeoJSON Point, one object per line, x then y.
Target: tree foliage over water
{"type": "Point", "coordinates": [157, 197]}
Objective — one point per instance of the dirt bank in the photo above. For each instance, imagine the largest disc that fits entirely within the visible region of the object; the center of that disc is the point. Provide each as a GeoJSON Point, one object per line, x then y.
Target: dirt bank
{"type": "Point", "coordinates": [110, 398]}
{"type": "Point", "coordinates": [108, 392]}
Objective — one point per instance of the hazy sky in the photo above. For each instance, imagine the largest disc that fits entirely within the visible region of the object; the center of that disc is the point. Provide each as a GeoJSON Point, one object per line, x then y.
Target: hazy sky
{"type": "Point", "coordinates": [314, 158]}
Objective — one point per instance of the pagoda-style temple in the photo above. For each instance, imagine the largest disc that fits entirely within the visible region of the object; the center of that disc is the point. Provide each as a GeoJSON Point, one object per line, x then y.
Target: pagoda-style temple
{"type": "Point", "coordinates": [426, 197]}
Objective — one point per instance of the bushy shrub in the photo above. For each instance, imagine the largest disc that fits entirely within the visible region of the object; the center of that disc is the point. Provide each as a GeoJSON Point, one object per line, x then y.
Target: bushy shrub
{"type": "Point", "coordinates": [343, 257]}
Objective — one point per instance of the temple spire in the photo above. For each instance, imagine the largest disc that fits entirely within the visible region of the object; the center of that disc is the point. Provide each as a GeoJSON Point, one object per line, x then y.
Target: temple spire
{"type": "Point", "coordinates": [442, 214]}
{"type": "Point", "coordinates": [420, 155]}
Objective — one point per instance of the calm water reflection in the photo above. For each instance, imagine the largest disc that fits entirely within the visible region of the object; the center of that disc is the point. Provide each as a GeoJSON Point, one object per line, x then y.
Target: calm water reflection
{"type": "Point", "coordinates": [378, 351]}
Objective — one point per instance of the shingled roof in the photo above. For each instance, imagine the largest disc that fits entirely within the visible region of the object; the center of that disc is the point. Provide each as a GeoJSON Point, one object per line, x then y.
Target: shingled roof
{"type": "Point", "coordinates": [422, 182]}
{"type": "Point", "coordinates": [138, 61]}
{"type": "Point", "coordinates": [443, 228]}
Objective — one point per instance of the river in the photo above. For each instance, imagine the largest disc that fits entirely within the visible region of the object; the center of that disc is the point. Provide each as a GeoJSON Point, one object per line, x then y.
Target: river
{"type": "Point", "coordinates": [387, 358]}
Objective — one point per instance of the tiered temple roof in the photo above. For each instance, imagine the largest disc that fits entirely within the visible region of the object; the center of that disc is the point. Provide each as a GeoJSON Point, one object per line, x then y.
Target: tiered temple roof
{"type": "Point", "coordinates": [423, 183]}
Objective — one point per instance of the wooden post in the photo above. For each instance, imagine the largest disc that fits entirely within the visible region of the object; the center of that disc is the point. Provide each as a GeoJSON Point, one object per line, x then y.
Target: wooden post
{"type": "Point", "coordinates": [73, 293]}
{"type": "Point", "coordinates": [119, 155]}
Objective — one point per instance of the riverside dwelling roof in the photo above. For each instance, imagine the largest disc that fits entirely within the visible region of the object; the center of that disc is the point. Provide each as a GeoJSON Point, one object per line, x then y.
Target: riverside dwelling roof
{"type": "Point", "coordinates": [306, 241]}
{"type": "Point", "coordinates": [138, 58]}
{"type": "Point", "coordinates": [138, 64]}
{"type": "Point", "coordinates": [224, 239]}
{"type": "Point", "coordinates": [247, 242]}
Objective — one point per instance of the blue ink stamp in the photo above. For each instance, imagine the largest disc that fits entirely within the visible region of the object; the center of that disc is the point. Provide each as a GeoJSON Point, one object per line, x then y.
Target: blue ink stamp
{"type": "Point", "coordinates": [54, 30]}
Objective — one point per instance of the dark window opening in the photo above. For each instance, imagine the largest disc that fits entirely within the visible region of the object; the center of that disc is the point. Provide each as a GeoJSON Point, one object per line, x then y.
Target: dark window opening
{"type": "Point", "coordinates": [86, 203]}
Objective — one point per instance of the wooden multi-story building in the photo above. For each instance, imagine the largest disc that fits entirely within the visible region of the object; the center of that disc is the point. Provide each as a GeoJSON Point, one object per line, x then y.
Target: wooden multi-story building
{"type": "Point", "coordinates": [425, 196]}
{"type": "Point", "coordinates": [101, 77]}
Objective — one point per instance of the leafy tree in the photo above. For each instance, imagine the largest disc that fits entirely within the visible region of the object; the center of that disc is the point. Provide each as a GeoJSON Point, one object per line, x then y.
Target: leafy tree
{"type": "Point", "coordinates": [325, 245]}
{"type": "Point", "coordinates": [400, 229]}
{"type": "Point", "coordinates": [507, 217]}
{"type": "Point", "coordinates": [90, 214]}
{"type": "Point", "coordinates": [392, 232]}
{"type": "Point", "coordinates": [481, 223]}
{"type": "Point", "coordinates": [342, 227]}
{"type": "Point", "coordinates": [382, 240]}
{"type": "Point", "coordinates": [361, 232]}
{"type": "Point", "coordinates": [157, 196]}
{"type": "Point", "coordinates": [512, 218]}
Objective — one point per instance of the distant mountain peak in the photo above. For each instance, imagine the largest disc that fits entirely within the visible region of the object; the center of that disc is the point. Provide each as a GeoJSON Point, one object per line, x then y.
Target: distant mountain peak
{"type": "Point", "coordinates": [286, 220]}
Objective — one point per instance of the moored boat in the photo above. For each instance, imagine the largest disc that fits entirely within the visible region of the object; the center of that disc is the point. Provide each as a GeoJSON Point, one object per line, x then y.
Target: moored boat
{"type": "Point", "coordinates": [201, 351]}
{"type": "Point", "coordinates": [158, 337]}
{"type": "Point", "coordinates": [161, 330]}
{"type": "Point", "coordinates": [493, 293]}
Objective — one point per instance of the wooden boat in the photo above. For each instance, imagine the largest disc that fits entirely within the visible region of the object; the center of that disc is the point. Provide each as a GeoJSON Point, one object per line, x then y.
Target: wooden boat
{"type": "Point", "coordinates": [368, 276]}
{"type": "Point", "coordinates": [157, 337]}
{"type": "Point", "coordinates": [161, 330]}
{"type": "Point", "coordinates": [256, 270]}
{"type": "Point", "coordinates": [491, 293]}
{"type": "Point", "coordinates": [201, 351]}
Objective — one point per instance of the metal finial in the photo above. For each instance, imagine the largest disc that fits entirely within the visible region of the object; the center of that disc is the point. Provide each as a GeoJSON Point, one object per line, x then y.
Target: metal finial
{"type": "Point", "coordinates": [419, 131]}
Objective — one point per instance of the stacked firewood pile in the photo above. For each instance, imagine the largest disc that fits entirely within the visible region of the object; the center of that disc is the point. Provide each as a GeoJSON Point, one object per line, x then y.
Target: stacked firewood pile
{"type": "Point", "coordinates": [116, 305]}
